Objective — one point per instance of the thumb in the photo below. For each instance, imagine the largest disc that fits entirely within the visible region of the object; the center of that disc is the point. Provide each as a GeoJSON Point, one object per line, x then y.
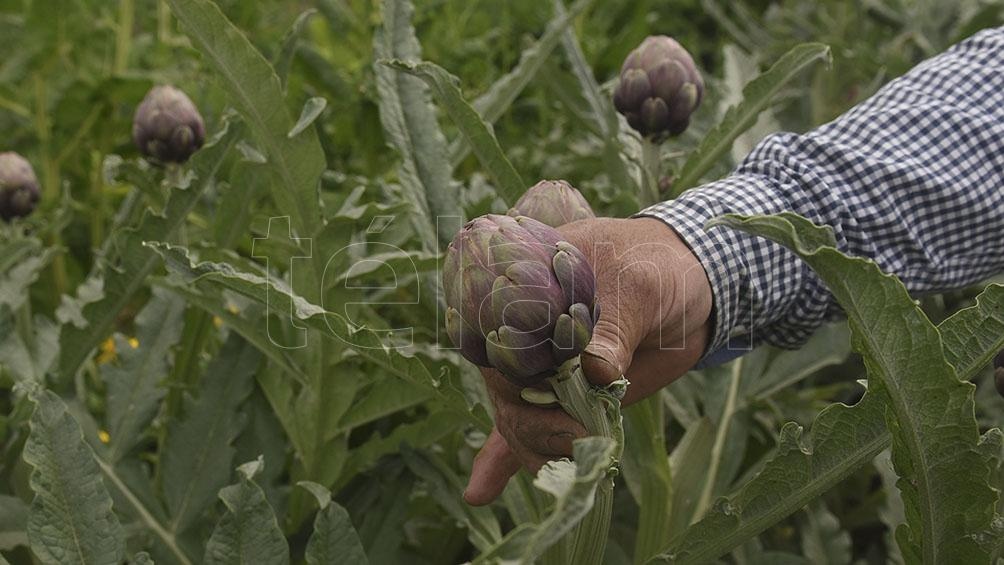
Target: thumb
{"type": "Point", "coordinates": [493, 466]}
{"type": "Point", "coordinates": [609, 353]}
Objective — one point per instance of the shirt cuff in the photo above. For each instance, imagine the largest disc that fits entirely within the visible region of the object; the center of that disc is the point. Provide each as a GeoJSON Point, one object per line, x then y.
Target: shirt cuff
{"type": "Point", "coordinates": [753, 280]}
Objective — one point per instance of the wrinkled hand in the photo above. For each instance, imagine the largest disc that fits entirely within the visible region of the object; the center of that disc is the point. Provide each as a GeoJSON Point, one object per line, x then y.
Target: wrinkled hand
{"type": "Point", "coordinates": [655, 303]}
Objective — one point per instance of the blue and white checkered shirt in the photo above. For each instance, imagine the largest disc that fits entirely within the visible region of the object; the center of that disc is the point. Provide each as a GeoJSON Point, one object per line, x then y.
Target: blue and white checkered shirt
{"type": "Point", "coordinates": [912, 178]}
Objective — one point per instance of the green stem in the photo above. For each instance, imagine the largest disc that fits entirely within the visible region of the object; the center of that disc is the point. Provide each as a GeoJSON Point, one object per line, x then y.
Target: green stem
{"type": "Point", "coordinates": [599, 412]}
{"type": "Point", "coordinates": [167, 538]}
{"type": "Point", "coordinates": [163, 21]}
{"type": "Point", "coordinates": [720, 436]}
{"type": "Point", "coordinates": [50, 183]}
{"type": "Point", "coordinates": [645, 461]}
{"type": "Point", "coordinates": [123, 35]}
{"type": "Point", "coordinates": [651, 164]}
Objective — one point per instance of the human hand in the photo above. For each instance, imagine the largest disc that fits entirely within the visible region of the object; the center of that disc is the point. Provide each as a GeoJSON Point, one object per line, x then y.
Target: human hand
{"type": "Point", "coordinates": [655, 304]}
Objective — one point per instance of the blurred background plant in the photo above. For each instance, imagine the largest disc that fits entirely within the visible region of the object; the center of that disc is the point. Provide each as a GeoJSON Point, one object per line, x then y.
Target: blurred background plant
{"type": "Point", "coordinates": [71, 76]}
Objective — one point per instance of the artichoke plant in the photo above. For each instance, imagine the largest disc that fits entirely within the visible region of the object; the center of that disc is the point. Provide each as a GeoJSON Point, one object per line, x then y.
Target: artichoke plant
{"type": "Point", "coordinates": [659, 88]}
{"type": "Point", "coordinates": [553, 202]}
{"type": "Point", "coordinates": [519, 298]}
{"type": "Point", "coordinates": [167, 127]}
{"type": "Point", "coordinates": [19, 190]}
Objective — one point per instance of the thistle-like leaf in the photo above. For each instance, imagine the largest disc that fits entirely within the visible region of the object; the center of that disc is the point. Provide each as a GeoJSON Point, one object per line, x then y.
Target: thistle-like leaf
{"type": "Point", "coordinates": [929, 411]}
{"type": "Point", "coordinates": [71, 518]}
{"type": "Point", "coordinates": [248, 532]}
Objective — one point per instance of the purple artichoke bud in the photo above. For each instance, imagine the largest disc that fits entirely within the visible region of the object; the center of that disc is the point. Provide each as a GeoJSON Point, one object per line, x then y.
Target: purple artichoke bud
{"type": "Point", "coordinates": [19, 190]}
{"type": "Point", "coordinates": [659, 88]}
{"type": "Point", "coordinates": [167, 127]}
{"type": "Point", "coordinates": [518, 298]}
{"type": "Point", "coordinates": [999, 373]}
{"type": "Point", "coordinates": [552, 202]}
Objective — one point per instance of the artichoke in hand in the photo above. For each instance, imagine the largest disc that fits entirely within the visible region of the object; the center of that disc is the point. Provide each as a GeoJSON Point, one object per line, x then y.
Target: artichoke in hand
{"type": "Point", "coordinates": [553, 202]}
{"type": "Point", "coordinates": [520, 299]}
{"type": "Point", "coordinates": [659, 88]}
{"type": "Point", "coordinates": [167, 127]}
{"type": "Point", "coordinates": [19, 190]}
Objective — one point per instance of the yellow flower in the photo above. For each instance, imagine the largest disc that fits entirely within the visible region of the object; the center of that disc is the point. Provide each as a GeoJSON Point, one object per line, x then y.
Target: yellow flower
{"type": "Point", "coordinates": [107, 354]}
{"type": "Point", "coordinates": [217, 321]}
{"type": "Point", "coordinates": [104, 437]}
{"type": "Point", "coordinates": [233, 309]}
{"type": "Point", "coordinates": [133, 342]}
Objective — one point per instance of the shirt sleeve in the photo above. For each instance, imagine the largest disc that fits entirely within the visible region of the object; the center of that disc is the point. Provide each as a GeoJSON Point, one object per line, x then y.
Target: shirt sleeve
{"type": "Point", "coordinates": [912, 178]}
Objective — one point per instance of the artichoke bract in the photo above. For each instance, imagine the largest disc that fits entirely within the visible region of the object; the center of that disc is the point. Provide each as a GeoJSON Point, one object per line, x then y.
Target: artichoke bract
{"type": "Point", "coordinates": [519, 298]}
{"type": "Point", "coordinates": [167, 127]}
{"type": "Point", "coordinates": [19, 190]}
{"type": "Point", "coordinates": [659, 88]}
{"type": "Point", "coordinates": [553, 202]}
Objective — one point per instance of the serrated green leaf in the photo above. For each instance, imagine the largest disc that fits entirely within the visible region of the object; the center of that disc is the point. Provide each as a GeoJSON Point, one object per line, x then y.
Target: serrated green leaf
{"type": "Point", "coordinates": [573, 485]}
{"type": "Point", "coordinates": [133, 394]}
{"type": "Point", "coordinates": [256, 92]}
{"type": "Point", "coordinates": [843, 439]}
{"type": "Point", "coordinates": [757, 95]}
{"type": "Point", "coordinates": [198, 443]}
{"type": "Point", "coordinates": [71, 518]}
{"type": "Point", "coordinates": [943, 477]}
{"type": "Point", "coordinates": [409, 121]}
{"type": "Point", "coordinates": [334, 541]}
{"type": "Point", "coordinates": [102, 296]}
{"type": "Point", "coordinates": [479, 135]}
{"type": "Point", "coordinates": [275, 295]}
{"type": "Point", "coordinates": [248, 533]}
{"type": "Point", "coordinates": [973, 336]}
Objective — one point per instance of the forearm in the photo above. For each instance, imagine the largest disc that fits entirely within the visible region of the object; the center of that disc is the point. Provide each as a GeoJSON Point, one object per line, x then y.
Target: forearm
{"type": "Point", "coordinates": [912, 178]}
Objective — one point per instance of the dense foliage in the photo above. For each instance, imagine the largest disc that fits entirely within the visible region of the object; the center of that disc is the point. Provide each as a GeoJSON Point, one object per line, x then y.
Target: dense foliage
{"type": "Point", "coordinates": [172, 393]}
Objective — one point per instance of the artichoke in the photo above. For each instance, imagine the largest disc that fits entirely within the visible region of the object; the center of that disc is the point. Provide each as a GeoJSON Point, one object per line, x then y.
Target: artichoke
{"type": "Point", "coordinates": [519, 299]}
{"type": "Point", "coordinates": [553, 202]}
{"type": "Point", "coordinates": [19, 190]}
{"type": "Point", "coordinates": [659, 88]}
{"type": "Point", "coordinates": [167, 127]}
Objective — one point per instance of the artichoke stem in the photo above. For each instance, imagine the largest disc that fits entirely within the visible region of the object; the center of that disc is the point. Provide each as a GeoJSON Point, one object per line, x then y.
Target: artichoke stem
{"type": "Point", "coordinates": [651, 156]}
{"type": "Point", "coordinates": [598, 410]}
